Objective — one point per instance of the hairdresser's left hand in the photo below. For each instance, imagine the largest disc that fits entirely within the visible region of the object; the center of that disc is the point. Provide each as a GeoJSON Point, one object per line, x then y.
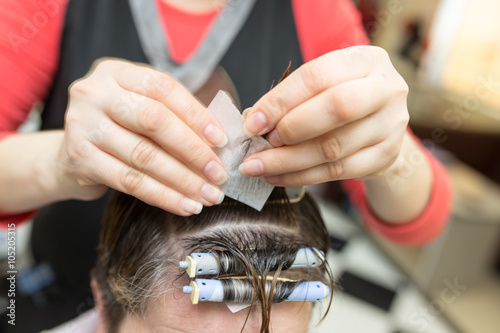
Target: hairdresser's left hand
{"type": "Point", "coordinates": [340, 116]}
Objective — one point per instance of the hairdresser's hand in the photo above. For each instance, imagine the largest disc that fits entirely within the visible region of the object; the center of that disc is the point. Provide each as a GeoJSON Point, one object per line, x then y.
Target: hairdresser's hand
{"type": "Point", "coordinates": [340, 116]}
{"type": "Point", "coordinates": [137, 130]}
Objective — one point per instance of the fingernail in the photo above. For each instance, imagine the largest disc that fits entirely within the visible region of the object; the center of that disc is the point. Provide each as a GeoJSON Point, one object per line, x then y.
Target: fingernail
{"type": "Point", "coordinates": [272, 179]}
{"type": "Point", "coordinates": [255, 125]}
{"type": "Point", "coordinates": [274, 138]}
{"type": "Point", "coordinates": [215, 135]}
{"type": "Point", "coordinates": [251, 168]}
{"type": "Point", "coordinates": [244, 113]}
{"type": "Point", "coordinates": [212, 194]}
{"type": "Point", "coordinates": [215, 173]}
{"type": "Point", "coordinates": [191, 206]}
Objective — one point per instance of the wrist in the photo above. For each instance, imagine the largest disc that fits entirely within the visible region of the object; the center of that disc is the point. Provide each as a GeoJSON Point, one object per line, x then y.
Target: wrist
{"type": "Point", "coordinates": [401, 193]}
{"type": "Point", "coordinates": [28, 171]}
{"type": "Point", "coordinates": [53, 183]}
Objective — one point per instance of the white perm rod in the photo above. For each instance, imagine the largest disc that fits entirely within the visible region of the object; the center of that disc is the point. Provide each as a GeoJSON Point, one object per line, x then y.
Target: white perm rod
{"type": "Point", "coordinates": [208, 290]}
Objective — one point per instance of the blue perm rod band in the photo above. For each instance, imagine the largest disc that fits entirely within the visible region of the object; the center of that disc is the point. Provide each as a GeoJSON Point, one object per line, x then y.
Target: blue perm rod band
{"type": "Point", "coordinates": [207, 290]}
{"type": "Point", "coordinates": [207, 264]}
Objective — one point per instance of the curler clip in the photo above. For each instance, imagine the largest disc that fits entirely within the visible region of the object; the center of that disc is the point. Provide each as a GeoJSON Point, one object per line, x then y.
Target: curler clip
{"type": "Point", "coordinates": [194, 290]}
{"type": "Point", "coordinates": [200, 264]}
{"type": "Point", "coordinates": [190, 265]}
{"type": "Point", "coordinates": [205, 290]}
{"type": "Point", "coordinates": [295, 194]}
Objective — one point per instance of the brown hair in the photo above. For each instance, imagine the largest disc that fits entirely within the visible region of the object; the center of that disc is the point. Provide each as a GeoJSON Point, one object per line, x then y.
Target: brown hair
{"type": "Point", "coordinates": [140, 247]}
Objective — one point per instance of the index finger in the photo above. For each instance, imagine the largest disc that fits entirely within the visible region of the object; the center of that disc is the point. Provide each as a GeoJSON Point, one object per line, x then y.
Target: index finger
{"type": "Point", "coordinates": [306, 82]}
{"type": "Point", "coordinates": [149, 82]}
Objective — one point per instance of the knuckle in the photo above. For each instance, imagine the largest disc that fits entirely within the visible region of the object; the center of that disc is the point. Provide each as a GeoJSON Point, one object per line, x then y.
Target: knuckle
{"type": "Point", "coordinates": [196, 156]}
{"type": "Point", "coordinates": [164, 199]}
{"type": "Point", "coordinates": [398, 120]}
{"type": "Point", "coordinates": [160, 86]}
{"type": "Point", "coordinates": [405, 118]}
{"type": "Point", "coordinates": [313, 75]}
{"type": "Point", "coordinates": [142, 154]}
{"type": "Point", "coordinates": [151, 118]}
{"type": "Point", "coordinates": [96, 136]}
{"type": "Point", "coordinates": [280, 164]}
{"type": "Point", "coordinates": [104, 64]}
{"type": "Point", "coordinates": [191, 185]}
{"type": "Point", "coordinates": [398, 85]}
{"type": "Point", "coordinates": [79, 88]}
{"type": "Point", "coordinates": [101, 64]}
{"type": "Point", "coordinates": [286, 132]}
{"type": "Point", "coordinates": [300, 179]}
{"type": "Point", "coordinates": [72, 155]}
{"type": "Point", "coordinates": [389, 151]}
{"type": "Point", "coordinates": [395, 149]}
{"type": "Point", "coordinates": [88, 87]}
{"type": "Point", "coordinates": [83, 183]}
{"type": "Point", "coordinates": [76, 153]}
{"type": "Point", "coordinates": [379, 52]}
{"type": "Point", "coordinates": [340, 108]}
{"type": "Point", "coordinates": [330, 149]}
{"type": "Point", "coordinates": [275, 104]}
{"type": "Point", "coordinates": [191, 111]}
{"type": "Point", "coordinates": [131, 180]}
{"type": "Point", "coordinates": [335, 170]}
{"type": "Point", "coordinates": [71, 119]}
{"type": "Point", "coordinates": [404, 89]}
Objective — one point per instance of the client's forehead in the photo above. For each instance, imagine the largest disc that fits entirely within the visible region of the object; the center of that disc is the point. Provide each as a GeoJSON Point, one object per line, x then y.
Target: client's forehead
{"type": "Point", "coordinates": [174, 312]}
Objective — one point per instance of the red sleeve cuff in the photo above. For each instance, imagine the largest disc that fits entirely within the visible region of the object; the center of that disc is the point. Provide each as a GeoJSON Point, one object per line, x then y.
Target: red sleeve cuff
{"type": "Point", "coordinates": [6, 219]}
{"type": "Point", "coordinates": [424, 229]}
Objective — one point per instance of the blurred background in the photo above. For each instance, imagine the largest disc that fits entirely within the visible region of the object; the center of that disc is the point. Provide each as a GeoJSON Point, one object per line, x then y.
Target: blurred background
{"type": "Point", "coordinates": [449, 53]}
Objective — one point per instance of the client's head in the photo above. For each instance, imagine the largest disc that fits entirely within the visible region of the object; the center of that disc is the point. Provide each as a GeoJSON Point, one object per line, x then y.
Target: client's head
{"type": "Point", "coordinates": [138, 285]}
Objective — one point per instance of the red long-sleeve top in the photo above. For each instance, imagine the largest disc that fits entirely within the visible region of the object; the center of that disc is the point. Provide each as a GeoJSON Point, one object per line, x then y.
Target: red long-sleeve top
{"type": "Point", "coordinates": [29, 52]}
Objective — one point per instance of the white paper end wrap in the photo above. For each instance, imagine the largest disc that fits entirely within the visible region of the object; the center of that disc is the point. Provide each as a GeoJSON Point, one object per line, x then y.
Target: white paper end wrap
{"type": "Point", "coordinates": [248, 190]}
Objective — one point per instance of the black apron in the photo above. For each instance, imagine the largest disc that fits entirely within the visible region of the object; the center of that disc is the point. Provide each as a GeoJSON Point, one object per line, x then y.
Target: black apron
{"type": "Point", "coordinates": [65, 234]}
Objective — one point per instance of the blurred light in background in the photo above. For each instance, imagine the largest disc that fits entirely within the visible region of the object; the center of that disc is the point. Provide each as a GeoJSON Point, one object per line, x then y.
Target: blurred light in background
{"type": "Point", "coordinates": [463, 55]}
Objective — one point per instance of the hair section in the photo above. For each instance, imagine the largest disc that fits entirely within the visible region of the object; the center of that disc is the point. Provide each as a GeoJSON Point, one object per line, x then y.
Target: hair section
{"type": "Point", "coordinates": [140, 247]}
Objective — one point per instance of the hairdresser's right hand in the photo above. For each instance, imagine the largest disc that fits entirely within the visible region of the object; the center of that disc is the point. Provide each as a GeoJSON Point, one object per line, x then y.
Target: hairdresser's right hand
{"type": "Point", "coordinates": [139, 131]}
